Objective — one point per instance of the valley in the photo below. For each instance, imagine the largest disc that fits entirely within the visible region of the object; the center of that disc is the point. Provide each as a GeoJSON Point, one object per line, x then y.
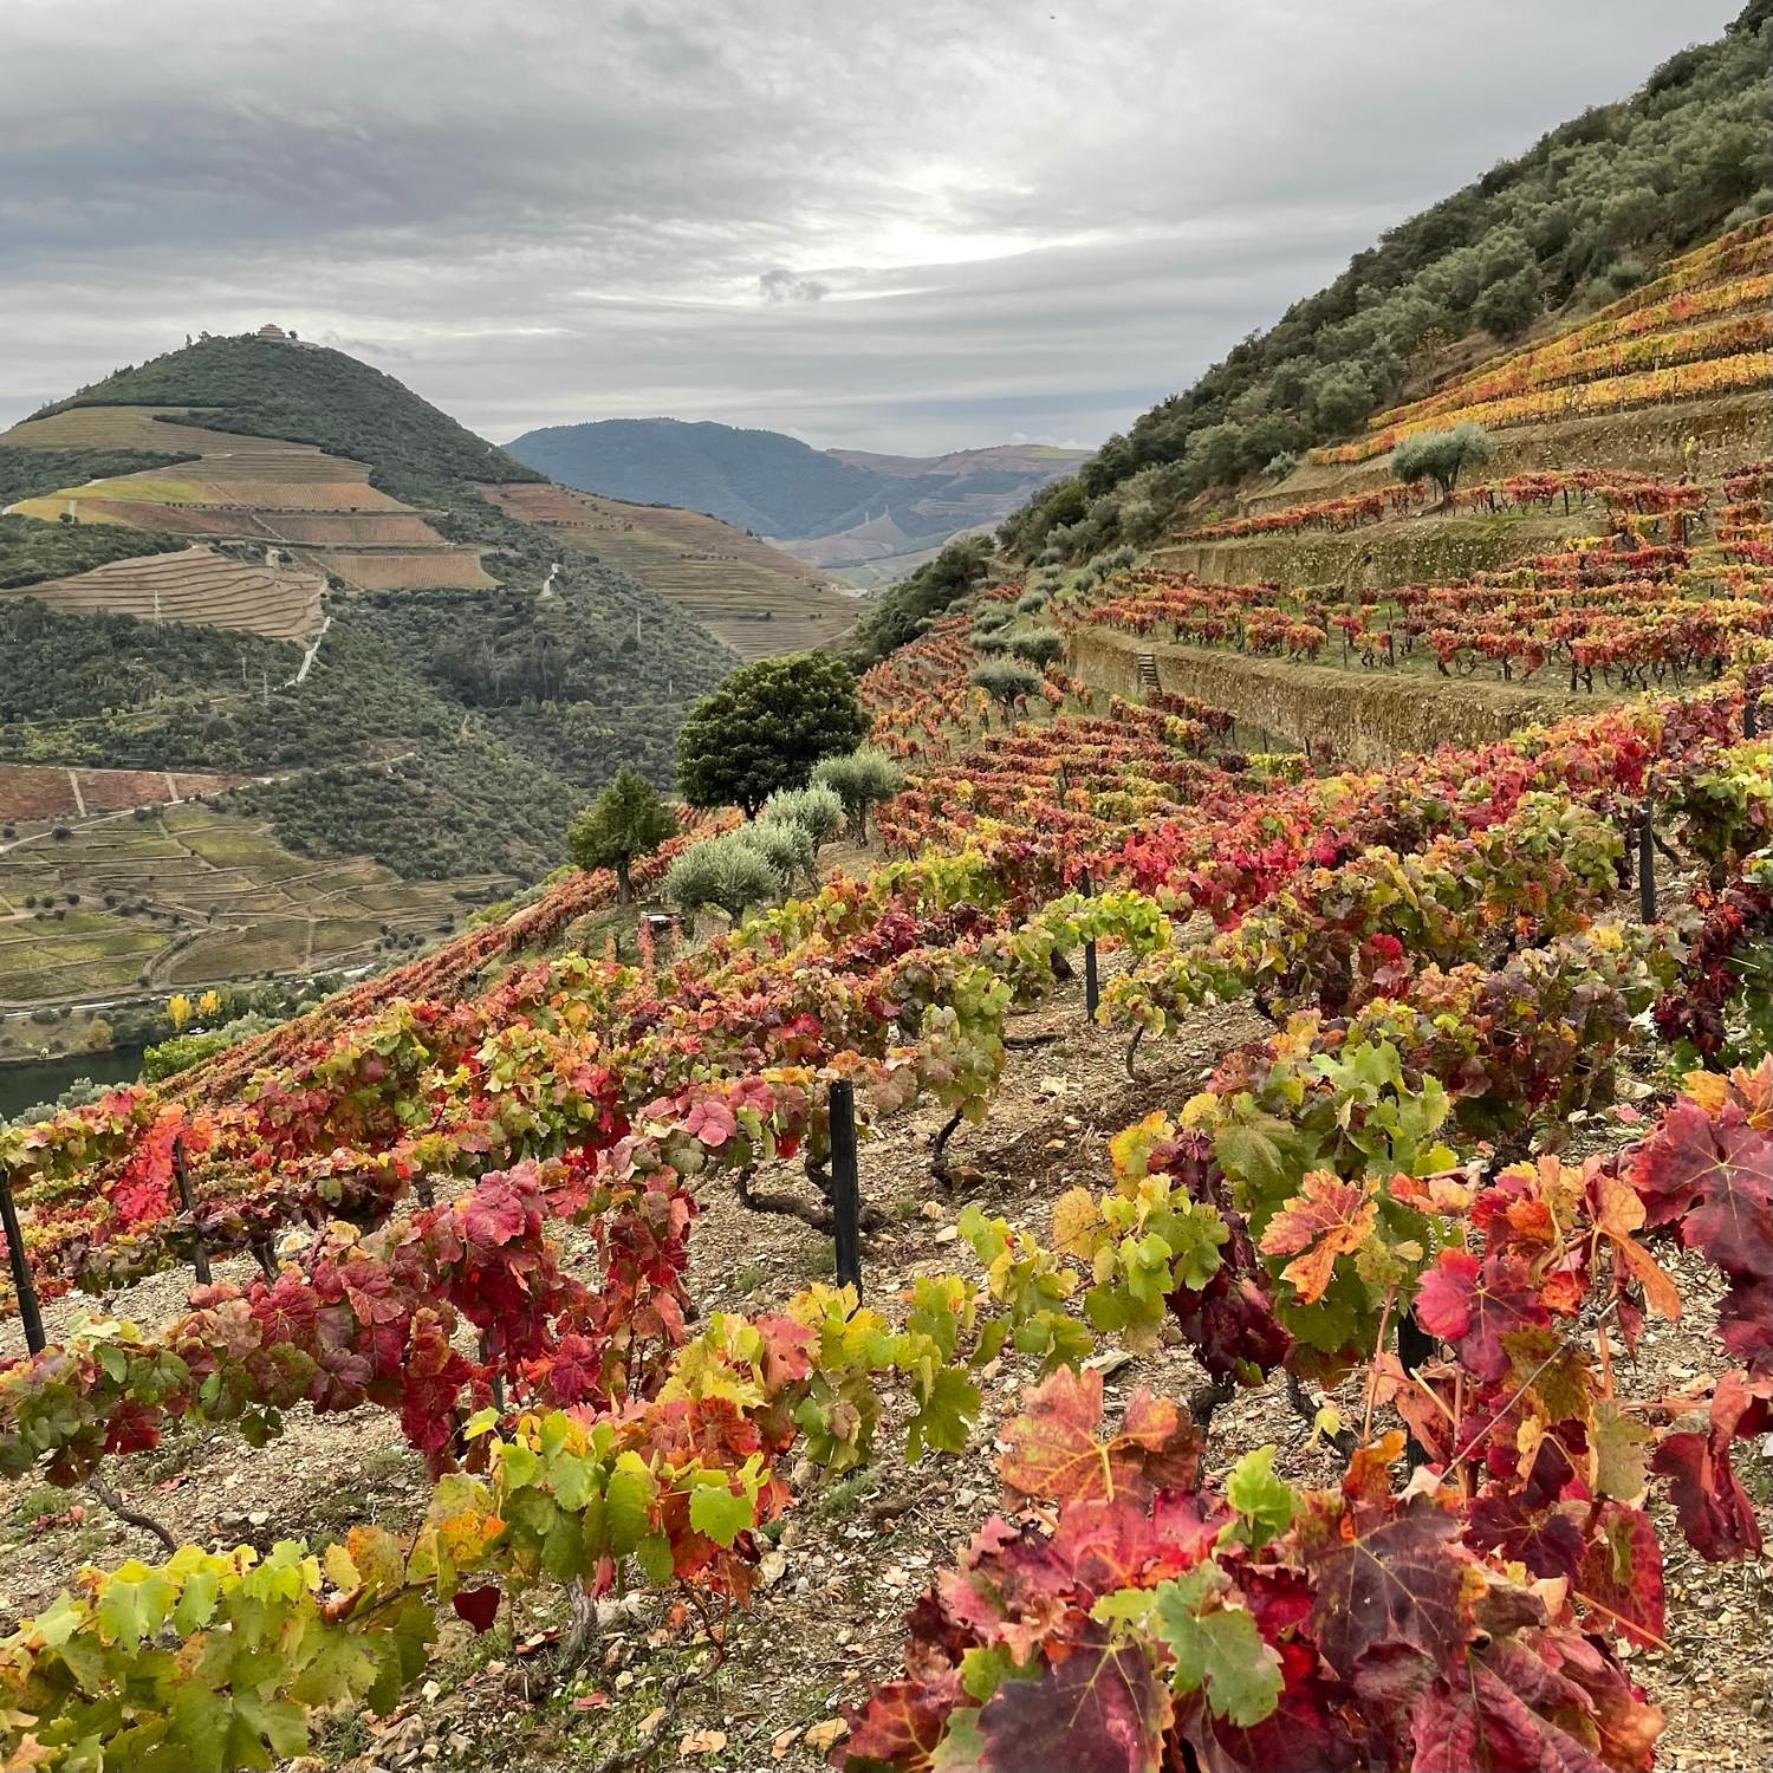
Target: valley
{"type": "Point", "coordinates": [864, 517]}
{"type": "Point", "coordinates": [375, 668]}
{"type": "Point", "coordinates": [750, 595]}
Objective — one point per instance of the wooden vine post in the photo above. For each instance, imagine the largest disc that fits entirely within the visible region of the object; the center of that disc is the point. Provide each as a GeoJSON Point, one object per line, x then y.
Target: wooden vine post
{"type": "Point", "coordinates": [1092, 985]}
{"type": "Point", "coordinates": [22, 1284]}
{"type": "Point", "coordinates": [846, 1185]}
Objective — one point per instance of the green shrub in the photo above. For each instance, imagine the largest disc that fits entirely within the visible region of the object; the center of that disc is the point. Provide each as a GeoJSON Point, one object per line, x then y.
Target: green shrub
{"type": "Point", "coordinates": [1005, 680]}
{"type": "Point", "coordinates": [817, 810]}
{"type": "Point", "coordinates": [1509, 306]}
{"type": "Point", "coordinates": [185, 1050]}
{"type": "Point", "coordinates": [1039, 646]}
{"type": "Point", "coordinates": [1440, 456]}
{"type": "Point", "coordinates": [765, 727]}
{"type": "Point", "coordinates": [629, 819]}
{"type": "Point", "coordinates": [787, 846]}
{"type": "Point", "coordinates": [724, 872]}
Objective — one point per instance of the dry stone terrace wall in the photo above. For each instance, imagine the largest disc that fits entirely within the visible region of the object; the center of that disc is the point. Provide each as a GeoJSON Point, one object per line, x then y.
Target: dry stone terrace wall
{"type": "Point", "coordinates": [1410, 551]}
{"type": "Point", "coordinates": [1364, 717]}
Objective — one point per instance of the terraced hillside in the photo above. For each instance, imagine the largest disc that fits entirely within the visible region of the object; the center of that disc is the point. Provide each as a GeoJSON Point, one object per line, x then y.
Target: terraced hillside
{"type": "Point", "coordinates": [1674, 377]}
{"type": "Point", "coordinates": [192, 894]}
{"type": "Point", "coordinates": [196, 585]}
{"type": "Point", "coordinates": [1652, 405]}
{"type": "Point", "coordinates": [303, 506]}
{"type": "Point", "coordinates": [749, 594]}
{"type": "Point", "coordinates": [271, 577]}
{"type": "Point", "coordinates": [39, 791]}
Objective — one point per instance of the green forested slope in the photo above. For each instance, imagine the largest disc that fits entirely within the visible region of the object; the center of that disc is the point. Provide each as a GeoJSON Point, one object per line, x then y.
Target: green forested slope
{"type": "Point", "coordinates": [1583, 215]}
{"type": "Point", "coordinates": [308, 394]}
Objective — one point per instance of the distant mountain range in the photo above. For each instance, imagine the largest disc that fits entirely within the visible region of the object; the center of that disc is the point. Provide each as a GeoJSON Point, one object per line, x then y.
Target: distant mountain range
{"type": "Point", "coordinates": [868, 516]}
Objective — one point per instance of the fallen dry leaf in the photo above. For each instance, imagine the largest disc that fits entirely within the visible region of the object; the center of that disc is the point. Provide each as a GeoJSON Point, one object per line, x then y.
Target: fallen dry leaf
{"type": "Point", "coordinates": [702, 1742]}
{"type": "Point", "coordinates": [827, 1735]}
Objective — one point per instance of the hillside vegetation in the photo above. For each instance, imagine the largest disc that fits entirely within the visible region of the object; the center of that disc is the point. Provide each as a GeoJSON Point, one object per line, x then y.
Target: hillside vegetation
{"type": "Point", "coordinates": [760, 480]}
{"type": "Point", "coordinates": [31, 551]}
{"type": "Point", "coordinates": [501, 710]}
{"type": "Point", "coordinates": [440, 735]}
{"type": "Point", "coordinates": [1583, 216]}
{"type": "Point", "coordinates": [310, 394]}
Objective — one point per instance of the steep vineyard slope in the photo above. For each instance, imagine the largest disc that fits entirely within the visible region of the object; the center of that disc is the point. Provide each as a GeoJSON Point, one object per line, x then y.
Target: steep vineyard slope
{"type": "Point", "coordinates": [754, 597]}
{"type": "Point", "coordinates": [1582, 217]}
{"type": "Point", "coordinates": [288, 502]}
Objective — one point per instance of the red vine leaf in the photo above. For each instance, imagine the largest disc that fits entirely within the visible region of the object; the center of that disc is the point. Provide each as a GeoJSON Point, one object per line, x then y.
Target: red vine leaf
{"type": "Point", "coordinates": [1502, 1710]}
{"type": "Point", "coordinates": [1716, 1182]}
{"type": "Point", "coordinates": [1101, 1710]}
{"type": "Point", "coordinates": [1401, 1583]}
{"type": "Point", "coordinates": [1474, 1305]}
{"type": "Point", "coordinates": [1715, 1512]}
{"type": "Point", "coordinates": [901, 1724]}
{"type": "Point", "coordinates": [1054, 1452]}
{"type": "Point", "coordinates": [477, 1605]}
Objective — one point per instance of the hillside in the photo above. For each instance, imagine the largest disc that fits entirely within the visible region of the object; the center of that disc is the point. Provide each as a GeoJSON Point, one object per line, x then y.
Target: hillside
{"type": "Point", "coordinates": [748, 594]}
{"type": "Point", "coordinates": [1585, 215]}
{"type": "Point", "coordinates": [846, 511]}
{"type": "Point", "coordinates": [303, 393]}
{"type": "Point", "coordinates": [197, 579]}
{"type": "Point", "coordinates": [1406, 1011]}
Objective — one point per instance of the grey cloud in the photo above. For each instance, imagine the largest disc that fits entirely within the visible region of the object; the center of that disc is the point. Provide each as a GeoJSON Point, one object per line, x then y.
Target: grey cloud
{"type": "Point", "coordinates": [973, 218]}
{"type": "Point", "coordinates": [778, 285]}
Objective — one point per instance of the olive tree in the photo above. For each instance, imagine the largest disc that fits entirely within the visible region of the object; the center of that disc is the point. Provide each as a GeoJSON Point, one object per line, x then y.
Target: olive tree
{"type": "Point", "coordinates": [1441, 455]}
{"type": "Point", "coordinates": [1039, 646]}
{"type": "Point", "coordinates": [863, 779]}
{"type": "Point", "coordinates": [1005, 680]}
{"type": "Point", "coordinates": [817, 810]}
{"type": "Point", "coordinates": [723, 872]}
{"type": "Point", "coordinates": [786, 845]}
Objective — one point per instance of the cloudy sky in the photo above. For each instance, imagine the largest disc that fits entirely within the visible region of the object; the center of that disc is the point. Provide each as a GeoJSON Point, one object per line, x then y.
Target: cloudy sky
{"type": "Point", "coordinates": [908, 225]}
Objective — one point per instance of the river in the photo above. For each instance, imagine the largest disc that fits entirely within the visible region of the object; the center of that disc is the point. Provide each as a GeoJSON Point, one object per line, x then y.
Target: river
{"type": "Point", "coordinates": [42, 1080]}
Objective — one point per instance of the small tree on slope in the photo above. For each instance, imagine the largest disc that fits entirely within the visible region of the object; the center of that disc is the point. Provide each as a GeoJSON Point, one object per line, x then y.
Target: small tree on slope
{"type": "Point", "coordinates": [1441, 455]}
{"type": "Point", "coordinates": [628, 820]}
{"type": "Point", "coordinates": [862, 779]}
